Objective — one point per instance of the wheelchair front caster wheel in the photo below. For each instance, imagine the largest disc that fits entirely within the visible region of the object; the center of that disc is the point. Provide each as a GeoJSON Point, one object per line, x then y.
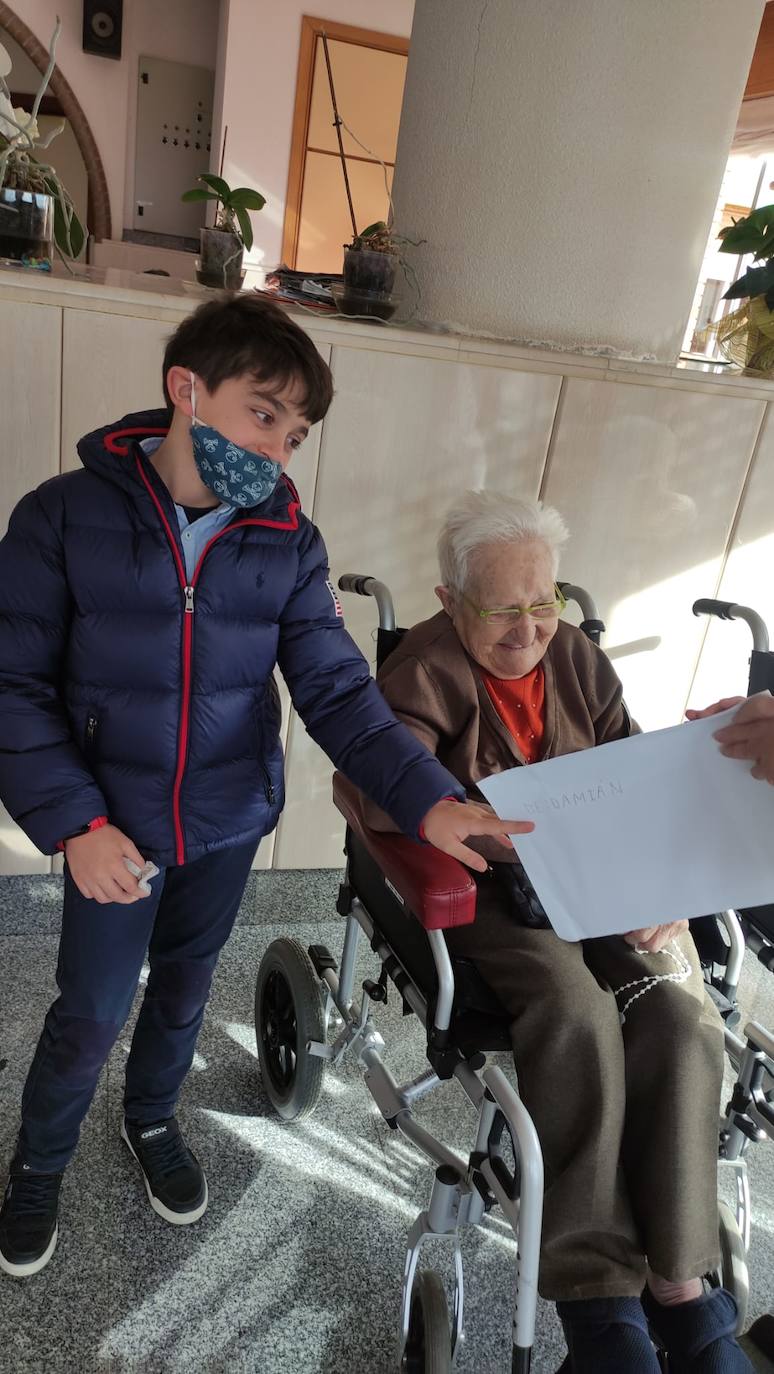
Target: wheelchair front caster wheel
{"type": "Point", "coordinates": [288, 1014]}
{"type": "Point", "coordinates": [733, 1273]}
{"type": "Point", "coordinates": [428, 1348]}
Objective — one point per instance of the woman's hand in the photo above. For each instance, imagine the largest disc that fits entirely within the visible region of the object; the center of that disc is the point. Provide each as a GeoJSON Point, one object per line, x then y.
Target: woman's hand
{"type": "Point", "coordinates": [449, 823]}
{"type": "Point", "coordinates": [652, 939]}
{"type": "Point", "coordinates": [716, 708]}
{"type": "Point", "coordinates": [751, 736]}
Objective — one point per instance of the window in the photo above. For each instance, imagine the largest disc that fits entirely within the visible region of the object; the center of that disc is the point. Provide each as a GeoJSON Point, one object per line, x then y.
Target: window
{"type": "Point", "coordinates": [369, 71]}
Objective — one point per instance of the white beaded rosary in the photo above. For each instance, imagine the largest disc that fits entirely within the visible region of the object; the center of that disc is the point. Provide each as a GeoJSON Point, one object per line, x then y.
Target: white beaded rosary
{"type": "Point", "coordinates": [647, 984]}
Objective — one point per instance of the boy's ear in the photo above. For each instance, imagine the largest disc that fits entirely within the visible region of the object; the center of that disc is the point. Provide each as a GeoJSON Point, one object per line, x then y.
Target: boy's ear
{"type": "Point", "coordinates": [179, 388]}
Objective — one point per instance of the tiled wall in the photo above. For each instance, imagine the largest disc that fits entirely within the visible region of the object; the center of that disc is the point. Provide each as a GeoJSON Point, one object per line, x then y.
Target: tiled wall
{"type": "Point", "coordinates": [665, 478]}
{"type": "Point", "coordinates": [649, 478]}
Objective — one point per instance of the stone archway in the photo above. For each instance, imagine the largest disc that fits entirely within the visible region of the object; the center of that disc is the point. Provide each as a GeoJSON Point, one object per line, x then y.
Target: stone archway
{"type": "Point", "coordinates": [99, 201]}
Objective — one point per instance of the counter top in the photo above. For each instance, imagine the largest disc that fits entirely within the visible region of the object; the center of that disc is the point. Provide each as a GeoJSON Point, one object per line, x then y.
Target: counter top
{"type": "Point", "coordinates": [117, 291]}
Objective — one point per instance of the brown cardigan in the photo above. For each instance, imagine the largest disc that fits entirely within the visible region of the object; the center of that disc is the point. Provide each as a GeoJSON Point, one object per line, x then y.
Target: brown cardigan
{"type": "Point", "coordinates": [435, 688]}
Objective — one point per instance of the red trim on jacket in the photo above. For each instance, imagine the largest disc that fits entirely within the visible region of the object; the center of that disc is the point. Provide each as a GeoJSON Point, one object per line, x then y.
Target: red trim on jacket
{"type": "Point", "coordinates": [96, 824]}
{"type": "Point", "coordinates": [188, 612]}
{"type": "Point", "coordinates": [112, 446]}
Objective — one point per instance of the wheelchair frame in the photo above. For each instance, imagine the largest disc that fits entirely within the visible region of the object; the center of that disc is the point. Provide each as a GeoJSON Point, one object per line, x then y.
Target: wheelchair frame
{"type": "Point", "coordinates": [463, 1191]}
{"type": "Point", "coordinates": [749, 1115]}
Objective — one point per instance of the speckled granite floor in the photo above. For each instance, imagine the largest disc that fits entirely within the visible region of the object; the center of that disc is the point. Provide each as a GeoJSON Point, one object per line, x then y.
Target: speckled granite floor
{"type": "Point", "coordinates": [296, 1266]}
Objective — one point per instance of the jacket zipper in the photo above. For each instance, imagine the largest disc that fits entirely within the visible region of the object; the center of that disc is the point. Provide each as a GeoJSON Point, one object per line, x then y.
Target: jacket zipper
{"type": "Point", "coordinates": [185, 716]}
{"type": "Point", "coordinates": [188, 589]}
{"type": "Point", "coordinates": [268, 785]}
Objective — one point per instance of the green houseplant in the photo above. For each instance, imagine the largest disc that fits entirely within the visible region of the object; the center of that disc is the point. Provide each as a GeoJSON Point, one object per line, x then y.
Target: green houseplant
{"type": "Point", "coordinates": [371, 258]}
{"type": "Point", "coordinates": [222, 247]}
{"type": "Point", "coordinates": [746, 336]}
{"type": "Point", "coordinates": [36, 211]}
{"type": "Point", "coordinates": [370, 264]}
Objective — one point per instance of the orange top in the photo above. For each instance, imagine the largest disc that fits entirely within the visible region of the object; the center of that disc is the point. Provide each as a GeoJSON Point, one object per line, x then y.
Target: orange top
{"type": "Point", "coordinates": [519, 703]}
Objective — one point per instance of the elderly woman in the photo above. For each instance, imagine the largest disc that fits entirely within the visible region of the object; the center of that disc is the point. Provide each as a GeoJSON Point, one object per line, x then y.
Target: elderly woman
{"type": "Point", "coordinates": [626, 1108]}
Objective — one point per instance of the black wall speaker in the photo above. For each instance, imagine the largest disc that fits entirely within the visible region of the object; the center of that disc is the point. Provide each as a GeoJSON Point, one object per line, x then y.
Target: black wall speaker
{"type": "Point", "coordinates": [102, 27]}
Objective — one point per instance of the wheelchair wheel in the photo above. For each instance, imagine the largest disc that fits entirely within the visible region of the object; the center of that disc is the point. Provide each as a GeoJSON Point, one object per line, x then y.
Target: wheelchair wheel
{"type": "Point", "coordinates": [733, 1273]}
{"type": "Point", "coordinates": [428, 1348]}
{"type": "Point", "coordinates": [288, 1013]}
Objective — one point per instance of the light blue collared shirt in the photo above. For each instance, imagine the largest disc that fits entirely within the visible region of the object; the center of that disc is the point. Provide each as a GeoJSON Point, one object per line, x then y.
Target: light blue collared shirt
{"type": "Point", "coordinates": [194, 533]}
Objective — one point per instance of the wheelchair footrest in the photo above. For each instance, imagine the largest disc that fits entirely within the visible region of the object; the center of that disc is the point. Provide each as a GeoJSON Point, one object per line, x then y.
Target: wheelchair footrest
{"type": "Point", "coordinates": [322, 959]}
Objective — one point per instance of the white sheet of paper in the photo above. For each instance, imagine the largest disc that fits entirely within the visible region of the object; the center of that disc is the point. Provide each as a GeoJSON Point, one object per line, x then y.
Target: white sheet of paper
{"type": "Point", "coordinates": [656, 828]}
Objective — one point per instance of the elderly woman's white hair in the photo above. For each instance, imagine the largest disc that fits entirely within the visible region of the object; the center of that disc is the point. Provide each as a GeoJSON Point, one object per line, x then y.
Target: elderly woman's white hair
{"type": "Point", "coordinates": [480, 518]}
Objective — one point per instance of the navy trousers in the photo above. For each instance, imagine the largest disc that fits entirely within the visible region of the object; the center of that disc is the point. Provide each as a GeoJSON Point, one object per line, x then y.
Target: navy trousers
{"type": "Point", "coordinates": [183, 927]}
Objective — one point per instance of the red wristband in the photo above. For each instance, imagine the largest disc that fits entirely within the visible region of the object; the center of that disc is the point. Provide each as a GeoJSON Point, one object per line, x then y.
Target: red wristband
{"type": "Point", "coordinates": [96, 824]}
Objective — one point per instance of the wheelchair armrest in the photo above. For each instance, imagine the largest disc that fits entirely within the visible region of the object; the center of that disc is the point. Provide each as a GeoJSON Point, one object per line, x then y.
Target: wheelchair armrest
{"type": "Point", "coordinates": [437, 889]}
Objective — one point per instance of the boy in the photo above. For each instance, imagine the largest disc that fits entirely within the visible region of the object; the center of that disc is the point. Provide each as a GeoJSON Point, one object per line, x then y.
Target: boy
{"type": "Point", "coordinates": [144, 603]}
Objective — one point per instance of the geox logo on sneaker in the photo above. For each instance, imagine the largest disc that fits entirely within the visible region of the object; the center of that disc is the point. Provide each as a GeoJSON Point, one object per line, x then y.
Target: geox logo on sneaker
{"type": "Point", "coordinates": [158, 1130]}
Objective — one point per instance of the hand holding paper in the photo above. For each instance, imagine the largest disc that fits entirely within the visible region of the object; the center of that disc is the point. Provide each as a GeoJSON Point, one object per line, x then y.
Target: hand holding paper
{"type": "Point", "coordinates": [751, 736]}
{"type": "Point", "coordinates": [643, 831]}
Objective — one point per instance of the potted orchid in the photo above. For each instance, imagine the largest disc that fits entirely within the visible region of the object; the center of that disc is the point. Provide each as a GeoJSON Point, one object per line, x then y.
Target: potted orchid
{"type": "Point", "coordinates": [370, 264]}
{"type": "Point", "coordinates": [36, 212]}
{"type": "Point", "coordinates": [222, 247]}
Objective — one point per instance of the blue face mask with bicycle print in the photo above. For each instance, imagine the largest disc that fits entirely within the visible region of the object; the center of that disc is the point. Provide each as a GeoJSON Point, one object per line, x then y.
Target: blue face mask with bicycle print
{"type": "Point", "coordinates": [238, 477]}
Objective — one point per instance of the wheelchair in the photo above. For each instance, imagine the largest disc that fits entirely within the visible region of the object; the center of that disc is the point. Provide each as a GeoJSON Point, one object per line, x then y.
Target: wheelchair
{"type": "Point", "coordinates": [721, 941]}
{"type": "Point", "coordinates": [402, 896]}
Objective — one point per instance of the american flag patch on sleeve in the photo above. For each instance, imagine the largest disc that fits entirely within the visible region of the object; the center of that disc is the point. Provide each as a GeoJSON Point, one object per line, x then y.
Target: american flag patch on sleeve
{"type": "Point", "coordinates": [335, 599]}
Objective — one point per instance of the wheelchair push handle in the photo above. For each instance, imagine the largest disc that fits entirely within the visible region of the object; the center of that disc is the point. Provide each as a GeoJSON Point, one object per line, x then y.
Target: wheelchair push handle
{"type": "Point", "coordinates": [729, 610]}
{"type": "Point", "coordinates": [363, 585]}
{"type": "Point", "coordinates": [592, 626]}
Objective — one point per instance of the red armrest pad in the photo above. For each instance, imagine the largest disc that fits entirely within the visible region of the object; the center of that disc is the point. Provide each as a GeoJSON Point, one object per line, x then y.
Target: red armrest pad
{"type": "Point", "coordinates": [436, 888]}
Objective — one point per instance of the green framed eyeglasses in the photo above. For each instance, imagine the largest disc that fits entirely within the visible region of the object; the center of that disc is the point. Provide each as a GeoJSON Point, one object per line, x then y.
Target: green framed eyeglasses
{"type": "Point", "coordinates": [504, 615]}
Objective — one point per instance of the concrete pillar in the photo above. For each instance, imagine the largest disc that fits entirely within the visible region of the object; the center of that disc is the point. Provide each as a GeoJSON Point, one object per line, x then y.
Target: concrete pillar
{"type": "Point", "coordinates": [562, 159]}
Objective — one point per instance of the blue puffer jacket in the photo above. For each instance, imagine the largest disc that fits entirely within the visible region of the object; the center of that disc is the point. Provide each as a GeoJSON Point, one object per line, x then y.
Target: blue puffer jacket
{"type": "Point", "coordinates": [126, 692]}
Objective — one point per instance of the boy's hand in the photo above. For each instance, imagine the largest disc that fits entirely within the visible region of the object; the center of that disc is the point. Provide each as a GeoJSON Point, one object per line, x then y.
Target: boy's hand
{"type": "Point", "coordinates": [751, 736]}
{"type": "Point", "coordinates": [96, 864]}
{"type": "Point", "coordinates": [652, 939]}
{"type": "Point", "coordinates": [448, 824]}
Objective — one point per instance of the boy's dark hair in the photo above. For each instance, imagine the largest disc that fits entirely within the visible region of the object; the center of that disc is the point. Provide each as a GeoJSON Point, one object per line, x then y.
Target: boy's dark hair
{"type": "Point", "coordinates": [247, 334]}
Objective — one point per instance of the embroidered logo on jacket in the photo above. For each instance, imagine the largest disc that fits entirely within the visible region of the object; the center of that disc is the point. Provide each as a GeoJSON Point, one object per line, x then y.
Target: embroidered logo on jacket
{"type": "Point", "coordinates": [335, 599]}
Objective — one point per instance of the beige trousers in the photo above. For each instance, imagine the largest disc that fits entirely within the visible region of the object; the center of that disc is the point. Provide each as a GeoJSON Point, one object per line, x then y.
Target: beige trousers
{"type": "Point", "coordinates": [627, 1115]}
